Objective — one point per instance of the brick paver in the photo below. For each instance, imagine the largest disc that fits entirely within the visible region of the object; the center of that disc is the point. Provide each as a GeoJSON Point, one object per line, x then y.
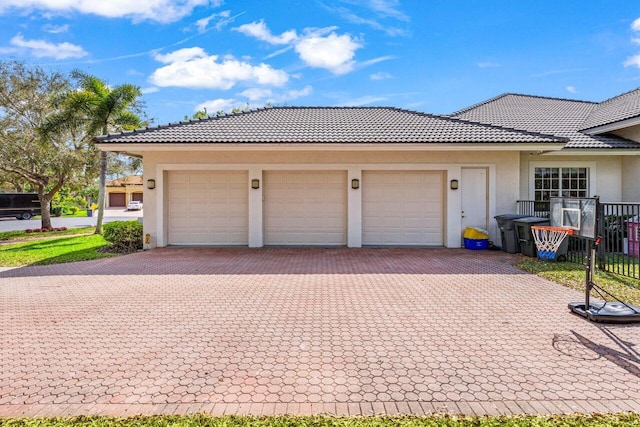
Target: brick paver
{"type": "Point", "coordinates": [276, 331]}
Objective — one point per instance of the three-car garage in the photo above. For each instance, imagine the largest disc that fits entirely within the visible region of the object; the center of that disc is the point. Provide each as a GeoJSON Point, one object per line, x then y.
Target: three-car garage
{"type": "Point", "coordinates": [306, 207]}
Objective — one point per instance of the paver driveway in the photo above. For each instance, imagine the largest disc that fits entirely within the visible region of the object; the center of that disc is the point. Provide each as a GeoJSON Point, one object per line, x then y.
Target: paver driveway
{"type": "Point", "coordinates": [265, 331]}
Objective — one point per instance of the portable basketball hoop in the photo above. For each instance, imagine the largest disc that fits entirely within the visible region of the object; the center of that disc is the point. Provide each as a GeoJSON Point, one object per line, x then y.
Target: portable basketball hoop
{"type": "Point", "coordinates": [580, 217]}
{"type": "Point", "coordinates": [548, 240]}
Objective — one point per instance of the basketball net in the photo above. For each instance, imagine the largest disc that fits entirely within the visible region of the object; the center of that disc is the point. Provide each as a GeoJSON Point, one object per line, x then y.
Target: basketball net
{"type": "Point", "coordinates": [548, 240]}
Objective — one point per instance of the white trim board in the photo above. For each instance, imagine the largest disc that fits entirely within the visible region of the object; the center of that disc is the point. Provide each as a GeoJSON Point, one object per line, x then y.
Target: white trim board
{"type": "Point", "coordinates": [561, 164]}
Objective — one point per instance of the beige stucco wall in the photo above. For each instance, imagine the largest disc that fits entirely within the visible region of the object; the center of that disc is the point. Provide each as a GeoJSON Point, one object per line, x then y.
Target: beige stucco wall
{"type": "Point", "coordinates": [605, 173]}
{"type": "Point", "coordinates": [631, 179]}
{"type": "Point", "coordinates": [504, 173]}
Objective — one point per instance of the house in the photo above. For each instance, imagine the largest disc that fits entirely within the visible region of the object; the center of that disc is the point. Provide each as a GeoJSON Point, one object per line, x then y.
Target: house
{"type": "Point", "coordinates": [123, 190]}
{"type": "Point", "coordinates": [359, 176]}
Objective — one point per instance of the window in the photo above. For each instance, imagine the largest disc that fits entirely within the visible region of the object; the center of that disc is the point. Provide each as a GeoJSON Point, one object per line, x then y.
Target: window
{"type": "Point", "coordinates": [560, 182]}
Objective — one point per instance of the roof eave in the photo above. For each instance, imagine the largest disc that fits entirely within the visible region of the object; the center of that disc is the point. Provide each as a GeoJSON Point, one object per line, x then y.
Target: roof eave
{"type": "Point", "coordinates": [610, 127]}
{"type": "Point", "coordinates": [127, 148]}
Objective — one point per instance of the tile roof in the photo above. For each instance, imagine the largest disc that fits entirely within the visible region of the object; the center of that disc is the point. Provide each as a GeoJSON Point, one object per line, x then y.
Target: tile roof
{"type": "Point", "coordinates": [562, 117]}
{"type": "Point", "coordinates": [618, 108]}
{"type": "Point", "coordinates": [330, 125]}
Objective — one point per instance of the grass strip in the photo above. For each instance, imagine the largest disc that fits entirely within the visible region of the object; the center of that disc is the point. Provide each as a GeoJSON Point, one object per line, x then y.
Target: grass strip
{"type": "Point", "coordinates": [53, 251]}
{"type": "Point", "coordinates": [574, 275]}
{"type": "Point", "coordinates": [6, 236]}
{"type": "Point", "coordinates": [613, 420]}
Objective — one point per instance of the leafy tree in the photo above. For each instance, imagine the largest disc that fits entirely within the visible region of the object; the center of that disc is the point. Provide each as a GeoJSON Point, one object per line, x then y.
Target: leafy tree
{"type": "Point", "coordinates": [46, 160]}
{"type": "Point", "coordinates": [100, 109]}
{"type": "Point", "coordinates": [119, 166]}
{"type": "Point", "coordinates": [198, 115]}
{"type": "Point", "coordinates": [12, 183]}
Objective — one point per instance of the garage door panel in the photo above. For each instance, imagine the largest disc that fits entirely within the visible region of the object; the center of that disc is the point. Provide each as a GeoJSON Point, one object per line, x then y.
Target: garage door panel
{"type": "Point", "coordinates": [208, 207]}
{"type": "Point", "coordinates": [305, 208]}
{"type": "Point", "coordinates": [402, 208]}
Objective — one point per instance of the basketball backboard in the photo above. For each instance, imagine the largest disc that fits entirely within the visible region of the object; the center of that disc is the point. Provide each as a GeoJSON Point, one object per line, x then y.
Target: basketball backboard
{"type": "Point", "coordinates": [578, 214]}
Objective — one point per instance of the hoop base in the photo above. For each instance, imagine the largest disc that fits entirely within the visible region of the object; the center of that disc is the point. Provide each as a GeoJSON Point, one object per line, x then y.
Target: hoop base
{"type": "Point", "coordinates": [607, 312]}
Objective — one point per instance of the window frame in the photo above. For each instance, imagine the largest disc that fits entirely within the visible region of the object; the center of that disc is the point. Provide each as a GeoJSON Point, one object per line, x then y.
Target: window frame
{"type": "Point", "coordinates": [589, 166]}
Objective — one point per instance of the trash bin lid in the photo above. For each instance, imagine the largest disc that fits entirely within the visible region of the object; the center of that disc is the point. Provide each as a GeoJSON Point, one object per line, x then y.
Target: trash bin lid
{"type": "Point", "coordinates": [510, 216]}
{"type": "Point", "coordinates": [531, 220]}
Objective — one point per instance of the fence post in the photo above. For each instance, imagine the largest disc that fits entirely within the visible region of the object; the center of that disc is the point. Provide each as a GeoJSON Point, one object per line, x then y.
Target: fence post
{"type": "Point", "coordinates": [602, 247]}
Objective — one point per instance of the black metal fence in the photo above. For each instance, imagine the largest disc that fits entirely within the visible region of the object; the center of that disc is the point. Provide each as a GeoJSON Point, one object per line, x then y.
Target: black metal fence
{"type": "Point", "coordinates": [619, 251]}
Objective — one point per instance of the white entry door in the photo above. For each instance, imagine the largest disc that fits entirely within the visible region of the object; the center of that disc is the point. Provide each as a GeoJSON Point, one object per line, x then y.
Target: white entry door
{"type": "Point", "coordinates": [473, 185]}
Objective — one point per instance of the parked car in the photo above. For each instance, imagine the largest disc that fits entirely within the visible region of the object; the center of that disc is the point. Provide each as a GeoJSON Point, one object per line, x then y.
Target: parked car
{"type": "Point", "coordinates": [19, 205]}
{"type": "Point", "coordinates": [134, 205]}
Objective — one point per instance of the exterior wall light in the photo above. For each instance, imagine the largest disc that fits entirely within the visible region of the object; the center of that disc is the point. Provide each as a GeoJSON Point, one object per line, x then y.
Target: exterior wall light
{"type": "Point", "coordinates": [151, 184]}
{"type": "Point", "coordinates": [255, 184]}
{"type": "Point", "coordinates": [355, 183]}
{"type": "Point", "coordinates": [454, 184]}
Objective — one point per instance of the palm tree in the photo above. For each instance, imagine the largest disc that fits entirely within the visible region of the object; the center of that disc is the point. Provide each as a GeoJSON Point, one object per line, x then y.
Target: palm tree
{"type": "Point", "coordinates": [102, 109]}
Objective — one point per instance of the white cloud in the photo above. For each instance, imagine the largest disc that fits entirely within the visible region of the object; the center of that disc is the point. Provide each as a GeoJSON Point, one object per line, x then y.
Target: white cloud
{"type": "Point", "coordinates": [632, 61]}
{"type": "Point", "coordinates": [635, 25]}
{"type": "Point", "coordinates": [333, 52]}
{"type": "Point", "coordinates": [635, 40]}
{"type": "Point", "coordinates": [380, 76]}
{"type": "Point", "coordinates": [294, 94]}
{"type": "Point", "coordinates": [222, 19]}
{"type": "Point", "coordinates": [181, 55]}
{"type": "Point", "coordinates": [260, 31]}
{"type": "Point", "coordinates": [256, 93]}
{"type": "Point", "coordinates": [138, 10]}
{"type": "Point", "coordinates": [146, 90]}
{"type": "Point", "coordinates": [571, 89]}
{"type": "Point", "coordinates": [55, 29]}
{"type": "Point", "coordinates": [317, 47]}
{"type": "Point", "coordinates": [193, 68]}
{"type": "Point", "coordinates": [387, 8]}
{"type": "Point", "coordinates": [45, 49]}
{"type": "Point", "coordinates": [259, 96]}
{"type": "Point", "coordinates": [220, 104]}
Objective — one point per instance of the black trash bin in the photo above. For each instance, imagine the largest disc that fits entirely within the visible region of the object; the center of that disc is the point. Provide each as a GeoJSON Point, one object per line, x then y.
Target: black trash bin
{"type": "Point", "coordinates": [508, 232]}
{"type": "Point", "coordinates": [525, 234]}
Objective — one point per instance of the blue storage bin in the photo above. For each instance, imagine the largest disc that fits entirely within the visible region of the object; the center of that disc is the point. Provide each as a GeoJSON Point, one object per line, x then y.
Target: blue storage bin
{"type": "Point", "coordinates": [476, 244]}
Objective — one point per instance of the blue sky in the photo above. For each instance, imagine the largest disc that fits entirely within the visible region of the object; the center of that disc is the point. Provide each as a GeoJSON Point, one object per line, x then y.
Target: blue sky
{"type": "Point", "coordinates": [426, 55]}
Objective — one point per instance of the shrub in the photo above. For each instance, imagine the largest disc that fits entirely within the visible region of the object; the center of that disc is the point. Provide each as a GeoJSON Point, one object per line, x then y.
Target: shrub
{"type": "Point", "coordinates": [123, 236]}
{"type": "Point", "coordinates": [56, 211]}
{"type": "Point", "coordinates": [73, 210]}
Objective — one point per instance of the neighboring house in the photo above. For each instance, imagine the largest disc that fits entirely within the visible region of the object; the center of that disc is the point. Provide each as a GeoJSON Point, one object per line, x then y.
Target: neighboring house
{"type": "Point", "coordinates": [376, 175]}
{"type": "Point", "coordinates": [123, 190]}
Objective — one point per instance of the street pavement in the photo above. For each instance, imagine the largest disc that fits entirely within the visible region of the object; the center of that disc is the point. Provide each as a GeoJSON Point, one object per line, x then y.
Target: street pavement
{"type": "Point", "coordinates": [110, 214]}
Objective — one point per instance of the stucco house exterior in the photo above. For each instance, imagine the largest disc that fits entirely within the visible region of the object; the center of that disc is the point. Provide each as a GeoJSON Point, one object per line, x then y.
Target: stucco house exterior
{"type": "Point", "coordinates": [123, 190]}
{"type": "Point", "coordinates": [379, 176]}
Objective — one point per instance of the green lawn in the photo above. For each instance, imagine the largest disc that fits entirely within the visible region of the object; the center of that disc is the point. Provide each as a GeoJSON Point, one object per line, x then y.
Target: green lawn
{"type": "Point", "coordinates": [573, 276]}
{"type": "Point", "coordinates": [52, 251]}
{"type": "Point", "coordinates": [23, 235]}
{"type": "Point", "coordinates": [327, 421]}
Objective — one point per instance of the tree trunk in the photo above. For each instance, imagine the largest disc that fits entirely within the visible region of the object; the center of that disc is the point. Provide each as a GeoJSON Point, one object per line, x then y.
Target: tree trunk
{"type": "Point", "coordinates": [101, 191]}
{"type": "Point", "coordinates": [45, 203]}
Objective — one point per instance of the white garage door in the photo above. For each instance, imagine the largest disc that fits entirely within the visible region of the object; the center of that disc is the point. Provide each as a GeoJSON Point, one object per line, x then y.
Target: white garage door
{"type": "Point", "coordinates": [207, 208]}
{"type": "Point", "coordinates": [305, 208]}
{"type": "Point", "coordinates": [402, 208]}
